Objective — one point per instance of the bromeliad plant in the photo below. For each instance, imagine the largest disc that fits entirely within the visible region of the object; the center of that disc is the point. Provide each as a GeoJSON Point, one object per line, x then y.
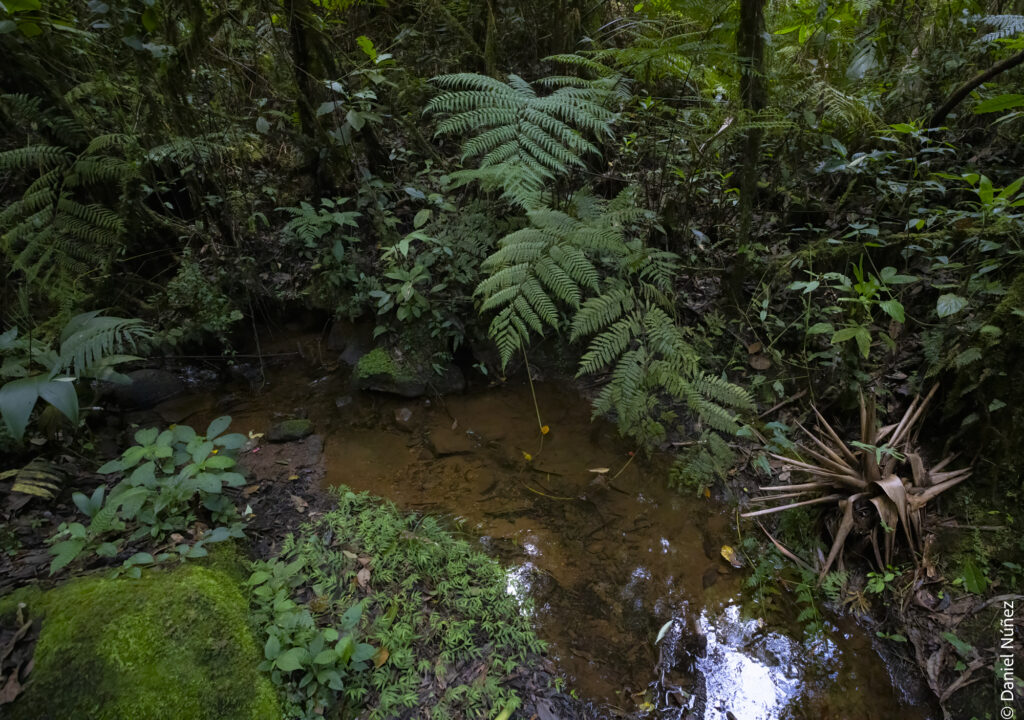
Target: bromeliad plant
{"type": "Point", "coordinates": [884, 469]}
{"type": "Point", "coordinates": [169, 478]}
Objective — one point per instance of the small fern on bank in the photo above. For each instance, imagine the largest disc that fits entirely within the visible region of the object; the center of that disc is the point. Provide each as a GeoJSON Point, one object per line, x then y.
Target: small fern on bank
{"type": "Point", "coordinates": [700, 465]}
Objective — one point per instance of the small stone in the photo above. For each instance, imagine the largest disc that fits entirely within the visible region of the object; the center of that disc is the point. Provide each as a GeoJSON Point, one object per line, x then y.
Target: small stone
{"type": "Point", "coordinates": [710, 577]}
{"type": "Point", "coordinates": [343, 401]}
{"type": "Point", "coordinates": [403, 419]}
{"type": "Point", "coordinates": [450, 442]}
{"type": "Point", "coordinates": [290, 430]}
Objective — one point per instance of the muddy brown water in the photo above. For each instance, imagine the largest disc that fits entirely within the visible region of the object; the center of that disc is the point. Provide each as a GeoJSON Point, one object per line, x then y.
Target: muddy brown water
{"type": "Point", "coordinates": [604, 553]}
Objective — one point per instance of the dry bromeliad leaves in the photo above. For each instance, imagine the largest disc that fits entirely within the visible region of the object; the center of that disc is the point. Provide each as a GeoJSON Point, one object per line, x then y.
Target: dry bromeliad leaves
{"type": "Point", "coordinates": [884, 469]}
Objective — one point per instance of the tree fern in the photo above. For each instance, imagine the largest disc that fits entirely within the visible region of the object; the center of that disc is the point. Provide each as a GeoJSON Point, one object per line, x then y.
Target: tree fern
{"type": "Point", "coordinates": [62, 227]}
{"type": "Point", "coordinates": [552, 261]}
{"type": "Point", "coordinates": [1003, 26]}
{"type": "Point", "coordinates": [522, 139]}
{"type": "Point", "coordinates": [582, 263]}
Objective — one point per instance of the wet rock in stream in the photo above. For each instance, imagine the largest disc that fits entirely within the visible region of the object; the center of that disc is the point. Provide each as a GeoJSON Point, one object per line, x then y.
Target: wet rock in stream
{"type": "Point", "coordinates": [290, 430]}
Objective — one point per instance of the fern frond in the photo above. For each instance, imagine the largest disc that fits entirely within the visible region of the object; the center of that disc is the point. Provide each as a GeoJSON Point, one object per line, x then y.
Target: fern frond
{"type": "Point", "coordinates": [532, 138]}
{"type": "Point", "coordinates": [89, 338]}
{"type": "Point", "coordinates": [1004, 26]}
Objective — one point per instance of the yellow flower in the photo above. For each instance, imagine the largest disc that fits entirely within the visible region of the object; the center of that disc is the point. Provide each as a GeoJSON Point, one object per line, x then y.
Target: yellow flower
{"type": "Point", "coordinates": [527, 455]}
{"type": "Point", "coordinates": [214, 451]}
{"type": "Point", "coordinates": [544, 430]}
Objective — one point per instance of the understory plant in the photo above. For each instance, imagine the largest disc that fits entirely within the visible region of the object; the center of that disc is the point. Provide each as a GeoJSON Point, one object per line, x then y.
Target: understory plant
{"type": "Point", "coordinates": [308, 661]}
{"type": "Point", "coordinates": [884, 469]}
{"type": "Point", "coordinates": [439, 628]}
{"type": "Point", "coordinates": [169, 479]}
{"type": "Point", "coordinates": [90, 345]}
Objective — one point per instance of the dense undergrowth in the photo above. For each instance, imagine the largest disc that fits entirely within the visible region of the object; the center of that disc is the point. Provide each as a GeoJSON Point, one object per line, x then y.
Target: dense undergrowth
{"type": "Point", "coordinates": [729, 212]}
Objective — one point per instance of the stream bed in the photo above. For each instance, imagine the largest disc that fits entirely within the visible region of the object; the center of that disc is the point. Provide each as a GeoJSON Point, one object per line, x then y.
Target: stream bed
{"type": "Point", "coordinates": [602, 552]}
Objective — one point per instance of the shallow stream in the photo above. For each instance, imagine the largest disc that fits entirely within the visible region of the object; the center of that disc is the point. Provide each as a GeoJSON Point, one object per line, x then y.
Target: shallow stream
{"type": "Point", "coordinates": [604, 552]}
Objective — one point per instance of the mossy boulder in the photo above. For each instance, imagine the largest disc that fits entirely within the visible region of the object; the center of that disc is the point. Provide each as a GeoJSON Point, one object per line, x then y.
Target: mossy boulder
{"type": "Point", "coordinates": [172, 645]}
{"type": "Point", "coordinates": [290, 430]}
{"type": "Point", "coordinates": [388, 371]}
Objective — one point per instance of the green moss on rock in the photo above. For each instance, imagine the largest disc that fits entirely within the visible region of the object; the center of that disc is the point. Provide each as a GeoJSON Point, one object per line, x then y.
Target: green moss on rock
{"type": "Point", "coordinates": [290, 430]}
{"type": "Point", "coordinates": [169, 646]}
{"type": "Point", "coordinates": [376, 362]}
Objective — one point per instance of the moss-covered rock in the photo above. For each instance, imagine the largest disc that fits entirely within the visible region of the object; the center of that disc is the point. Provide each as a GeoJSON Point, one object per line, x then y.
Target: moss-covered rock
{"type": "Point", "coordinates": [389, 371]}
{"type": "Point", "coordinates": [290, 430]}
{"type": "Point", "coordinates": [173, 645]}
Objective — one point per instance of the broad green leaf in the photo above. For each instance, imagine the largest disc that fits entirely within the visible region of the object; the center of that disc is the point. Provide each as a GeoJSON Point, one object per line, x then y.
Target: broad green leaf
{"type": "Point", "coordinates": [231, 441]}
{"type": "Point", "coordinates": [964, 649]}
{"type": "Point", "coordinates": [950, 304]}
{"type": "Point", "coordinates": [363, 652]}
{"type": "Point", "coordinates": [355, 119]}
{"type": "Point", "coordinates": [207, 482]}
{"type": "Point", "coordinates": [150, 20]}
{"type": "Point", "coordinates": [326, 107]}
{"type": "Point", "coordinates": [999, 103]}
{"type": "Point", "coordinates": [366, 45]}
{"type": "Point", "coordinates": [326, 657]}
{"type": "Point", "coordinates": [183, 433]}
{"type": "Point", "coordinates": [894, 309]}
{"type": "Point", "coordinates": [291, 659]}
{"type": "Point", "coordinates": [421, 218]}
{"type": "Point", "coordinates": [220, 462]}
{"type": "Point", "coordinates": [820, 328]}
{"type": "Point", "coordinates": [147, 436]}
{"type": "Point", "coordinates": [272, 648]}
{"type": "Point", "coordinates": [14, 6]}
{"type": "Point", "coordinates": [974, 579]}
{"type": "Point", "coordinates": [17, 399]}
{"type": "Point", "coordinates": [65, 552]}
{"type": "Point", "coordinates": [218, 426]}
{"type": "Point", "coordinates": [83, 503]}
{"type": "Point", "coordinates": [351, 617]}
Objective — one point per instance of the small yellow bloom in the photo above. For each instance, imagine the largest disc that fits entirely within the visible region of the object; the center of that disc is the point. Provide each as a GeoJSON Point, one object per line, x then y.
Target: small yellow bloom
{"type": "Point", "coordinates": [214, 451]}
{"type": "Point", "coordinates": [527, 455]}
{"type": "Point", "coordinates": [544, 430]}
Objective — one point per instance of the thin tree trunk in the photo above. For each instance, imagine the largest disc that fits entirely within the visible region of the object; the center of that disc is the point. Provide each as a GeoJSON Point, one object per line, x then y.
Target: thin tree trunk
{"type": "Point", "coordinates": [750, 55]}
{"type": "Point", "coordinates": [964, 90]}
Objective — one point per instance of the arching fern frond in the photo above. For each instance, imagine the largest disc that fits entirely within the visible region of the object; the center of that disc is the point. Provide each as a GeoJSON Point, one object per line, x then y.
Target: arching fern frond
{"type": "Point", "coordinates": [1003, 26]}
{"type": "Point", "coordinates": [90, 339]}
{"type": "Point", "coordinates": [522, 139]}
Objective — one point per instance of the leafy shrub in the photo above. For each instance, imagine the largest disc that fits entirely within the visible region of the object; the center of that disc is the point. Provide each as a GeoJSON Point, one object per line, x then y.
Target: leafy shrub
{"type": "Point", "coordinates": [173, 473]}
{"type": "Point", "coordinates": [307, 662]}
{"type": "Point", "coordinates": [91, 345]}
{"type": "Point", "coordinates": [431, 605]}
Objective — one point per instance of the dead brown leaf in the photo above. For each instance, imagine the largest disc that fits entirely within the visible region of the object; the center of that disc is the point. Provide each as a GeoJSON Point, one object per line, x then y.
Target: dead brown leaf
{"type": "Point", "coordinates": [300, 504]}
{"type": "Point", "coordinates": [759, 361]}
{"type": "Point", "coordinates": [363, 578]}
{"type": "Point", "coordinates": [12, 689]}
